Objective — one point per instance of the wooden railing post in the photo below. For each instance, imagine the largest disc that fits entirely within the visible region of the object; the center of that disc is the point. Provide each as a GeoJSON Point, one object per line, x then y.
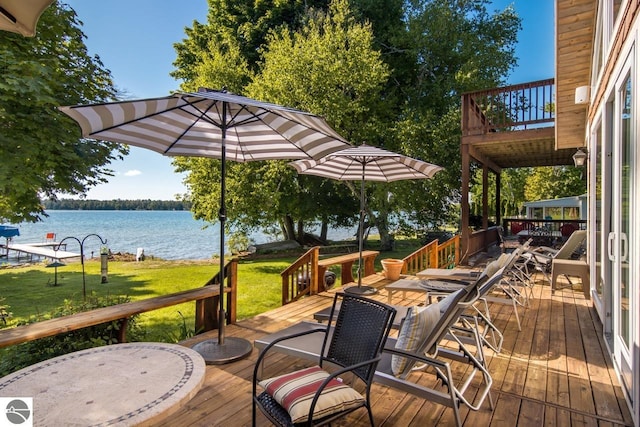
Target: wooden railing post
{"type": "Point", "coordinates": [316, 271]}
{"type": "Point", "coordinates": [458, 248]}
{"type": "Point", "coordinates": [231, 271]}
{"type": "Point", "coordinates": [464, 119]}
{"type": "Point", "coordinates": [206, 314]}
{"type": "Point", "coordinates": [122, 332]}
{"type": "Point", "coordinates": [301, 277]}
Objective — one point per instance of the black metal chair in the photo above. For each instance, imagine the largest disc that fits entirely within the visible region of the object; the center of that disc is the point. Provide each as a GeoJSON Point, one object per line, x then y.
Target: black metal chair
{"type": "Point", "coordinates": [352, 344]}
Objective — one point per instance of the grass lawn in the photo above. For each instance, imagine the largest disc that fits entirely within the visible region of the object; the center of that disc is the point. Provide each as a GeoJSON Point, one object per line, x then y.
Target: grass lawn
{"type": "Point", "coordinates": [28, 290]}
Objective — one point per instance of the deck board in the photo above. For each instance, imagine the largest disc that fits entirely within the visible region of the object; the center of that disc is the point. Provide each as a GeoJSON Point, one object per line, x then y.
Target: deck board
{"type": "Point", "coordinates": [555, 372]}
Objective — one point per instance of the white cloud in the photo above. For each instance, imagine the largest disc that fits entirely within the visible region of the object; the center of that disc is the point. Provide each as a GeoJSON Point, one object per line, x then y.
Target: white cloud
{"type": "Point", "coordinates": [133, 172]}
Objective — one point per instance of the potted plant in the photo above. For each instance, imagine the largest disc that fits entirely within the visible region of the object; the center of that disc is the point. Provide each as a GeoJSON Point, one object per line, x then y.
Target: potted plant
{"type": "Point", "coordinates": [392, 268]}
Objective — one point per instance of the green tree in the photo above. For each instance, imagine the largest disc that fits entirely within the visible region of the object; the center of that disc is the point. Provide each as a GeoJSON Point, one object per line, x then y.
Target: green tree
{"type": "Point", "coordinates": [555, 182]}
{"type": "Point", "coordinates": [41, 150]}
{"type": "Point", "coordinates": [433, 50]}
{"type": "Point", "coordinates": [328, 68]}
{"type": "Point", "coordinates": [454, 46]}
{"type": "Point", "coordinates": [243, 24]}
{"type": "Point", "coordinates": [512, 192]}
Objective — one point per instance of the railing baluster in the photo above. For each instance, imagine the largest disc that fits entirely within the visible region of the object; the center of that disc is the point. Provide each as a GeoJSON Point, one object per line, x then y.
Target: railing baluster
{"type": "Point", "coordinates": [508, 108]}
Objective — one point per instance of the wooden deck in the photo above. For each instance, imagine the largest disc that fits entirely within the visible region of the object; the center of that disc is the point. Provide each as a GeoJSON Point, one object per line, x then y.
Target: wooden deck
{"type": "Point", "coordinates": [553, 373]}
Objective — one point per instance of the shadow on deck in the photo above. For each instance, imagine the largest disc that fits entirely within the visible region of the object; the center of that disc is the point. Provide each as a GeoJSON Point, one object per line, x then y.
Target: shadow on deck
{"type": "Point", "coordinates": [555, 372]}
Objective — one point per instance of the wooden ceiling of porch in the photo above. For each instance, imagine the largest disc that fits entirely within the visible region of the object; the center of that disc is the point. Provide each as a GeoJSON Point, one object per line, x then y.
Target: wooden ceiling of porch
{"type": "Point", "coordinates": [524, 148]}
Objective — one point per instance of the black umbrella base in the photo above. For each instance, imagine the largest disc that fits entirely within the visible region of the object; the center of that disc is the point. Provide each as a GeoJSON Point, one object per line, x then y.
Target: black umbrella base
{"type": "Point", "coordinates": [361, 290]}
{"type": "Point", "coordinates": [232, 350]}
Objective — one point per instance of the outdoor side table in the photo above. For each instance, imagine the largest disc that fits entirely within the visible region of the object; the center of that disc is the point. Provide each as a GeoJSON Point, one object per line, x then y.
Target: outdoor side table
{"type": "Point", "coordinates": [121, 384]}
{"type": "Point", "coordinates": [404, 286]}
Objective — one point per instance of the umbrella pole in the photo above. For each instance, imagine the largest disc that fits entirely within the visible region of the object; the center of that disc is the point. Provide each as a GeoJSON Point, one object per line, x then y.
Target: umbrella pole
{"type": "Point", "coordinates": [361, 290]}
{"type": "Point", "coordinates": [222, 217]}
{"type": "Point", "coordinates": [230, 349]}
{"type": "Point", "coordinates": [361, 229]}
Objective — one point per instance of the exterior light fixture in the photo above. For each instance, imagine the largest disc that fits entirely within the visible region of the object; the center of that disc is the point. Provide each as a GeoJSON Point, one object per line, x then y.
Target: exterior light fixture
{"type": "Point", "coordinates": [579, 158]}
{"type": "Point", "coordinates": [582, 95]}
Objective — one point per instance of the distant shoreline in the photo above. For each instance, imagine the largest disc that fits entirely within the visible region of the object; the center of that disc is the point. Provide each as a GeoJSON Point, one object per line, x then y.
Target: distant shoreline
{"type": "Point", "coordinates": [116, 205]}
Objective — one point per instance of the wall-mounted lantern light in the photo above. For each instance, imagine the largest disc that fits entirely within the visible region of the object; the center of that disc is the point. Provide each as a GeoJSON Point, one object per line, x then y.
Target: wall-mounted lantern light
{"type": "Point", "coordinates": [579, 158]}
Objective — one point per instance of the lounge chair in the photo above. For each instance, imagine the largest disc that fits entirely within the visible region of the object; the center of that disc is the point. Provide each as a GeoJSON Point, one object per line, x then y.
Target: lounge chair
{"type": "Point", "coordinates": [513, 289]}
{"type": "Point", "coordinates": [352, 341]}
{"type": "Point", "coordinates": [541, 258]}
{"type": "Point", "coordinates": [478, 316]}
{"type": "Point", "coordinates": [428, 338]}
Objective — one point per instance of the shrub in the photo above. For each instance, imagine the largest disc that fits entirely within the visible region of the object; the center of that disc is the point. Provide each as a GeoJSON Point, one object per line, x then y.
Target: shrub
{"type": "Point", "coordinates": [238, 242]}
{"type": "Point", "coordinates": [25, 354]}
{"type": "Point", "coordinates": [4, 313]}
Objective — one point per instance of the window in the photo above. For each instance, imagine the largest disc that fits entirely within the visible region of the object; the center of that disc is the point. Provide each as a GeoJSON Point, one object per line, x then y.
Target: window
{"type": "Point", "coordinates": [571, 213]}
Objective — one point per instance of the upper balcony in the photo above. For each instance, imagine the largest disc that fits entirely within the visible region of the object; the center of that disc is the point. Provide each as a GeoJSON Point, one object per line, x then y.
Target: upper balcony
{"type": "Point", "coordinates": [513, 126]}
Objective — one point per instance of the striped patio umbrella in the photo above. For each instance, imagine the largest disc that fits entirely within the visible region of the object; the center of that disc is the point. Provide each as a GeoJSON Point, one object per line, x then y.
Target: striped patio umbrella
{"type": "Point", "coordinates": [366, 163]}
{"type": "Point", "coordinates": [214, 124]}
{"type": "Point", "coordinates": [21, 16]}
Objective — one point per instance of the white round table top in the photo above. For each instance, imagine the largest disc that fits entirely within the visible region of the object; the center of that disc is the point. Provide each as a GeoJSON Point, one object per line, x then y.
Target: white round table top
{"type": "Point", "coordinates": [121, 384]}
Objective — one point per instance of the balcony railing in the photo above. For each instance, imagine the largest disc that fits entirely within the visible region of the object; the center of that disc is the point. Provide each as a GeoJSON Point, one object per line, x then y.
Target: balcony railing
{"type": "Point", "coordinates": [518, 107]}
{"type": "Point", "coordinates": [545, 232]}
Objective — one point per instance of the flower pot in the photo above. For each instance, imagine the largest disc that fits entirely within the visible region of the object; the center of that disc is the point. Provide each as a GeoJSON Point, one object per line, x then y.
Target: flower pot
{"type": "Point", "coordinates": [392, 268]}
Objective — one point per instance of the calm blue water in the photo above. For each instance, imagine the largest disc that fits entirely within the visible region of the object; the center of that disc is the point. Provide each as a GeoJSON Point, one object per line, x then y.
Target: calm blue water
{"type": "Point", "coordinates": [163, 234]}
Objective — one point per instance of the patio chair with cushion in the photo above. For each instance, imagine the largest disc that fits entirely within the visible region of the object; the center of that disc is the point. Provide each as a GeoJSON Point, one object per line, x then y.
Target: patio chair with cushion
{"type": "Point", "coordinates": [421, 348]}
{"type": "Point", "coordinates": [422, 331]}
{"type": "Point", "coordinates": [352, 343]}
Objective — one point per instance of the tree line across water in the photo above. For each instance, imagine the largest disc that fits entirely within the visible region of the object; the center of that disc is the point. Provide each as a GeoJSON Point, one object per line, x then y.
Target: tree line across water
{"type": "Point", "coordinates": [117, 205]}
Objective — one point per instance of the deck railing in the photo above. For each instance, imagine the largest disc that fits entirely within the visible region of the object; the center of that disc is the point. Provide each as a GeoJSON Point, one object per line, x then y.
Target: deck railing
{"type": "Point", "coordinates": [301, 277]}
{"type": "Point", "coordinates": [207, 299]}
{"type": "Point", "coordinates": [545, 232]}
{"type": "Point", "coordinates": [482, 241]}
{"type": "Point", "coordinates": [425, 257]}
{"type": "Point", "coordinates": [433, 255]}
{"type": "Point", "coordinates": [517, 107]}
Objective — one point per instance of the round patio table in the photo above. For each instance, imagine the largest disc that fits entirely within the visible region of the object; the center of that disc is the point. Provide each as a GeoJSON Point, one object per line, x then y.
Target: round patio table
{"type": "Point", "coordinates": [121, 384]}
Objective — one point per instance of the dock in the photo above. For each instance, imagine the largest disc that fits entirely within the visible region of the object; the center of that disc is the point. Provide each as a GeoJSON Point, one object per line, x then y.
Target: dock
{"type": "Point", "coordinates": [41, 249]}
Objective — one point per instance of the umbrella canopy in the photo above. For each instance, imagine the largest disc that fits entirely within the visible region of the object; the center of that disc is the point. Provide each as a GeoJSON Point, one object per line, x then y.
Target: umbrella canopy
{"type": "Point", "coordinates": [198, 124]}
{"type": "Point", "coordinates": [214, 124]}
{"type": "Point", "coordinates": [9, 231]}
{"type": "Point", "coordinates": [21, 16]}
{"type": "Point", "coordinates": [55, 266]}
{"type": "Point", "coordinates": [366, 163]}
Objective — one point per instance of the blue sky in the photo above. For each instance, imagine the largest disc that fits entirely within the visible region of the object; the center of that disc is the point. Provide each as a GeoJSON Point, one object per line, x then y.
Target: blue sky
{"type": "Point", "coordinates": [134, 39]}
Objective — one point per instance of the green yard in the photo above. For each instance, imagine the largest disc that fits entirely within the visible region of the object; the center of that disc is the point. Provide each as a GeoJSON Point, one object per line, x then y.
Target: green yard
{"type": "Point", "coordinates": [28, 291]}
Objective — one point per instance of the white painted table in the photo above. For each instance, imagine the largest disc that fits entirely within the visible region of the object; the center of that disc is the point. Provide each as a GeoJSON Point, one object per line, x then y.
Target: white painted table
{"type": "Point", "coordinates": [122, 384]}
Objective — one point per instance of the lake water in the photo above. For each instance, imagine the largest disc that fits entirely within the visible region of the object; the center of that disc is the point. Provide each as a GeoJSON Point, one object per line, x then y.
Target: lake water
{"type": "Point", "coordinates": [164, 234]}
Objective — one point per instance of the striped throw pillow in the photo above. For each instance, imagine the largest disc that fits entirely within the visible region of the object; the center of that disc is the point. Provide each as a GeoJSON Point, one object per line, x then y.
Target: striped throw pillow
{"type": "Point", "coordinates": [295, 391]}
{"type": "Point", "coordinates": [415, 329]}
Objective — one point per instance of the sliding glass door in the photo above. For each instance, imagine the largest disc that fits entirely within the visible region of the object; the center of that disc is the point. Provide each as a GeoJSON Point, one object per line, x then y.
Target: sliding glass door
{"type": "Point", "coordinates": [621, 247]}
